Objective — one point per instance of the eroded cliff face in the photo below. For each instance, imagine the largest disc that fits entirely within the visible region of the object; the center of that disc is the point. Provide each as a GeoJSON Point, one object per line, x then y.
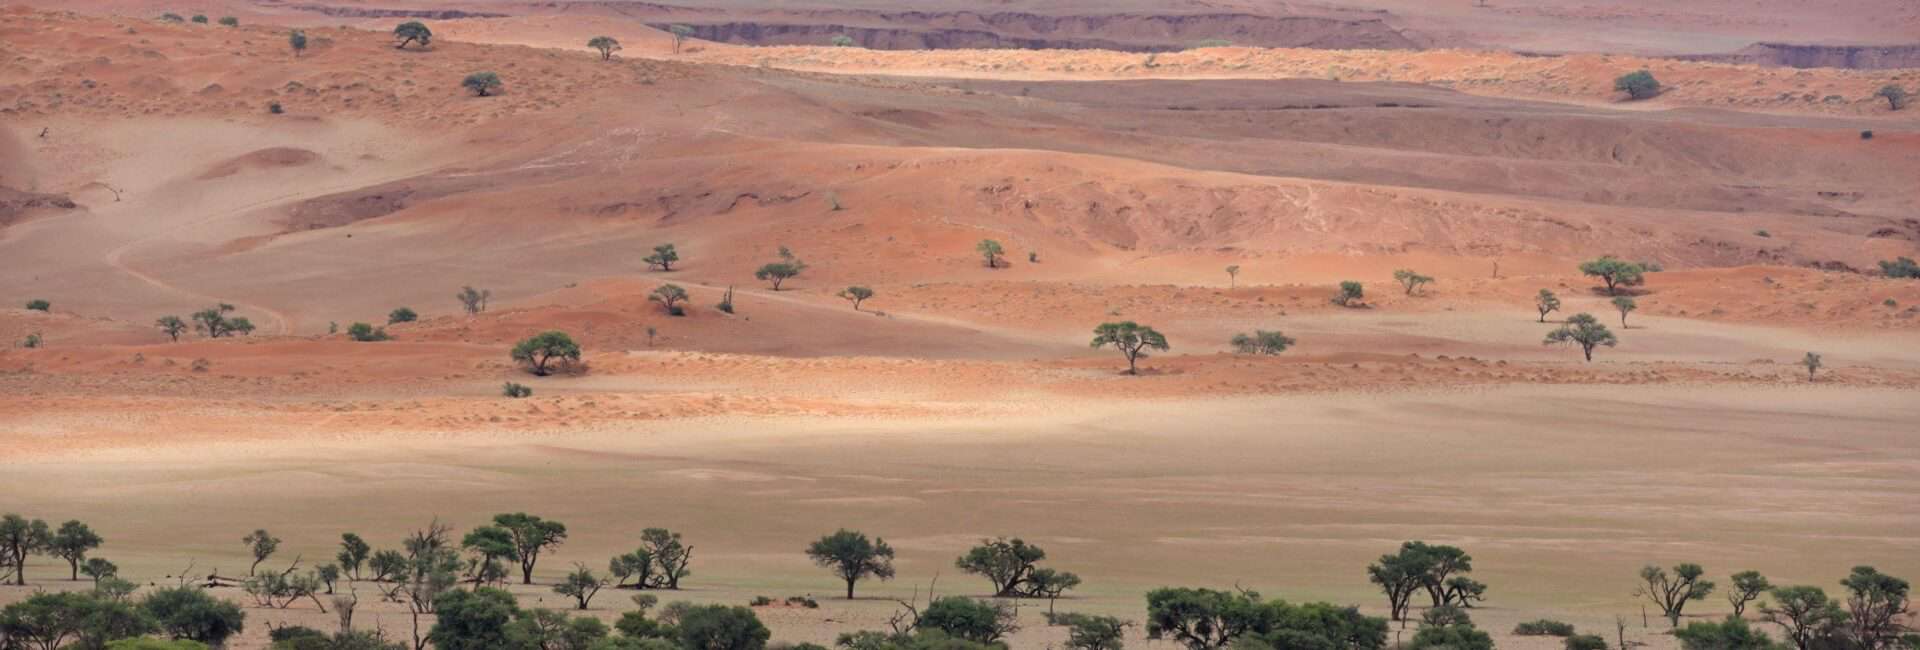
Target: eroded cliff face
{"type": "Point", "coordinates": [1126, 32]}
{"type": "Point", "coordinates": [1856, 57]}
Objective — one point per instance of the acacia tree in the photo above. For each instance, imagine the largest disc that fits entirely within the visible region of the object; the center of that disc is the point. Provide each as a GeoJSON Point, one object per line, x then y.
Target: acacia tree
{"type": "Point", "coordinates": [1233, 275]}
{"type": "Point", "coordinates": [1410, 279]}
{"type": "Point", "coordinates": [991, 250]}
{"type": "Point", "coordinates": [1671, 592]}
{"type": "Point", "coordinates": [494, 545]}
{"type": "Point", "coordinates": [1895, 95]}
{"type": "Point", "coordinates": [172, 326]}
{"type": "Point", "coordinates": [262, 545]}
{"type": "Point", "coordinates": [670, 556]}
{"type": "Point", "coordinates": [1615, 272]}
{"type": "Point", "coordinates": [778, 272]}
{"type": "Point", "coordinates": [353, 553]}
{"type": "Point", "coordinates": [71, 543]}
{"type": "Point", "coordinates": [473, 300]}
{"type": "Point", "coordinates": [1747, 586]}
{"type": "Point", "coordinates": [1877, 608]}
{"type": "Point", "coordinates": [607, 46]}
{"type": "Point", "coordinates": [1351, 293]}
{"type": "Point", "coordinates": [531, 534]}
{"type": "Point", "coordinates": [670, 296]}
{"type": "Point", "coordinates": [543, 348]}
{"type": "Point", "coordinates": [20, 538]}
{"type": "Point", "coordinates": [853, 557]}
{"type": "Point", "coordinates": [1638, 84]}
{"type": "Point", "coordinates": [1810, 619]}
{"type": "Point", "coordinates": [680, 34]}
{"type": "Point", "coordinates": [580, 585]}
{"type": "Point", "coordinates": [1546, 303]}
{"type": "Point", "coordinates": [1812, 362]}
{"type": "Point", "coordinates": [1625, 305]}
{"type": "Point", "coordinates": [1583, 330]}
{"type": "Point", "coordinates": [1010, 565]}
{"type": "Point", "coordinates": [214, 323]}
{"type": "Point", "coordinates": [412, 31]}
{"type": "Point", "coordinates": [856, 294]}
{"type": "Point", "coordinates": [1131, 339]}
{"type": "Point", "coordinates": [663, 257]}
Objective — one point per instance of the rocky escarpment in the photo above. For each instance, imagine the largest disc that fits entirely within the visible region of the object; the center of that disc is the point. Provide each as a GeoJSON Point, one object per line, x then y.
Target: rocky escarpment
{"type": "Point", "coordinates": [1855, 57]}
{"type": "Point", "coordinates": [1127, 32]}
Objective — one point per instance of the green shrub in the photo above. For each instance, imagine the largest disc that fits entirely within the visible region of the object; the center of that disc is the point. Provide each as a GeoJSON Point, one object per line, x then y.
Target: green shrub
{"type": "Point", "coordinates": [719, 626]}
{"type": "Point", "coordinates": [1586, 642]}
{"type": "Point", "coordinates": [1638, 84]}
{"type": "Point", "coordinates": [1543, 627]}
{"type": "Point", "coordinates": [1731, 634]}
{"type": "Point", "coordinates": [482, 83]}
{"type": "Point", "coordinates": [760, 601]}
{"type": "Point", "coordinates": [1903, 267]}
{"type": "Point", "coordinates": [189, 613]}
{"type": "Point", "coordinates": [200, 19]}
{"type": "Point", "coordinates": [39, 305]}
{"type": "Point", "coordinates": [1351, 293]}
{"type": "Point", "coordinates": [402, 315]}
{"type": "Point", "coordinates": [230, 21]}
{"type": "Point", "coordinates": [516, 390]}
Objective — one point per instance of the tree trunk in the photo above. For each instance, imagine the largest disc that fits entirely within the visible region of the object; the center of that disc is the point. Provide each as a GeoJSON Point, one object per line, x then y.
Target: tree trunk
{"type": "Point", "coordinates": [75, 565]}
{"type": "Point", "coordinates": [1588, 350]}
{"type": "Point", "coordinates": [850, 588]}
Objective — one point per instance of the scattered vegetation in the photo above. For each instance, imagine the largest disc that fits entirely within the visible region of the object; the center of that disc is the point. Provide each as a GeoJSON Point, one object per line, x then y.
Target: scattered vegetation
{"type": "Point", "coordinates": [402, 315]}
{"type": "Point", "coordinates": [1747, 586]}
{"type": "Point", "coordinates": [1638, 84]}
{"type": "Point", "coordinates": [607, 45]}
{"type": "Point", "coordinates": [856, 294]}
{"type": "Point", "coordinates": [778, 272]}
{"type": "Point", "coordinates": [200, 19]}
{"type": "Point", "coordinates": [516, 390]}
{"type": "Point", "coordinates": [1261, 342]}
{"type": "Point", "coordinates": [726, 301]}
{"type": "Point", "coordinates": [230, 21]}
{"type": "Point", "coordinates": [39, 304]}
{"type": "Point", "coordinates": [1419, 566]}
{"type": "Point", "coordinates": [1131, 339]}
{"type": "Point", "coordinates": [482, 83]}
{"type": "Point", "coordinates": [1410, 279]}
{"type": "Point", "coordinates": [171, 18]}
{"type": "Point", "coordinates": [412, 31]}
{"type": "Point", "coordinates": [670, 296]}
{"type": "Point", "coordinates": [1206, 619]}
{"type": "Point", "coordinates": [33, 341]}
{"type": "Point", "coordinates": [172, 326]}
{"type": "Point", "coordinates": [540, 350]}
{"type": "Point", "coordinates": [841, 40]}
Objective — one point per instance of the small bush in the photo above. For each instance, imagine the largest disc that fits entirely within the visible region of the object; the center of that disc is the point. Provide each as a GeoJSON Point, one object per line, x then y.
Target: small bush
{"type": "Point", "coordinates": [1866, 135]}
{"type": "Point", "coordinates": [230, 21]}
{"type": "Point", "coordinates": [365, 333]}
{"type": "Point", "coordinates": [516, 390]}
{"type": "Point", "coordinates": [275, 108]}
{"type": "Point", "coordinates": [1350, 294]}
{"type": "Point", "coordinates": [200, 19]}
{"type": "Point", "coordinates": [1762, 233]}
{"type": "Point", "coordinates": [402, 315]}
{"type": "Point", "coordinates": [1543, 627]}
{"type": "Point", "coordinates": [32, 341]}
{"type": "Point", "coordinates": [1890, 302]}
{"type": "Point", "coordinates": [482, 83]}
{"type": "Point", "coordinates": [39, 305]}
{"type": "Point", "coordinates": [1586, 642]}
{"type": "Point", "coordinates": [760, 601]}
{"type": "Point", "coordinates": [803, 601]}
{"type": "Point", "coordinates": [171, 18]}
{"type": "Point", "coordinates": [201, 365]}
